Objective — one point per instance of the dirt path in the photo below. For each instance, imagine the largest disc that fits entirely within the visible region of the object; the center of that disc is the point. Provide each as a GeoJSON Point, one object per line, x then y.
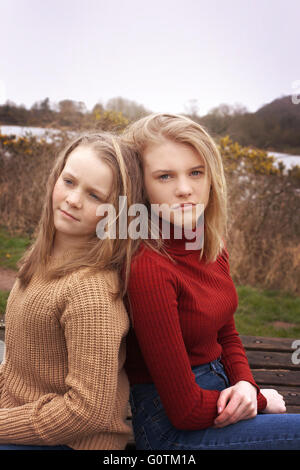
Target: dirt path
{"type": "Point", "coordinates": [7, 278]}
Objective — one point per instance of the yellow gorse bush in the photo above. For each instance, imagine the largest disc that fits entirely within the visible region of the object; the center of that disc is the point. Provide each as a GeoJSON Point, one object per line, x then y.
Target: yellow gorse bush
{"type": "Point", "coordinates": [19, 144]}
{"type": "Point", "coordinates": [110, 119]}
{"type": "Point", "coordinates": [238, 158]}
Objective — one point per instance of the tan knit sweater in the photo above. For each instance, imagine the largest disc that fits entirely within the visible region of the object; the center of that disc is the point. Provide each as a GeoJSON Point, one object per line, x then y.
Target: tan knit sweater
{"type": "Point", "coordinates": [63, 381]}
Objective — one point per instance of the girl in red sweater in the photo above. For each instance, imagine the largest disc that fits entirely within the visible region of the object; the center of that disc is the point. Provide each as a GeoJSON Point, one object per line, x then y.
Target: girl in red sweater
{"type": "Point", "coordinates": [191, 385]}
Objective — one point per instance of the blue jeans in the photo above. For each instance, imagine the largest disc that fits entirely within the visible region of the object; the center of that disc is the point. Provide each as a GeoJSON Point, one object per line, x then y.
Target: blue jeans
{"type": "Point", "coordinates": [20, 447]}
{"type": "Point", "coordinates": [154, 431]}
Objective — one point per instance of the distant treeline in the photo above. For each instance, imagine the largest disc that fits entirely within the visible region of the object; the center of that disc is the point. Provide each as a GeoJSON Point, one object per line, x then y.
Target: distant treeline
{"type": "Point", "coordinates": [69, 114]}
{"type": "Point", "coordinates": [275, 126]}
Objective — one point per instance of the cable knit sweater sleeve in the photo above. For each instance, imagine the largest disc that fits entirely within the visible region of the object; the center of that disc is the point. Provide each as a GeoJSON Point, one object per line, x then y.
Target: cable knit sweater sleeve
{"type": "Point", "coordinates": [90, 321]}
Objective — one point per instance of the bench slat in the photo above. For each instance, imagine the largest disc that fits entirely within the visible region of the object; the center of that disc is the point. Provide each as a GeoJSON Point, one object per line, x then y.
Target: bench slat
{"type": "Point", "coordinates": [276, 377]}
{"type": "Point", "coordinates": [293, 409]}
{"type": "Point", "coordinates": [271, 360]}
{"type": "Point", "coordinates": [267, 344]}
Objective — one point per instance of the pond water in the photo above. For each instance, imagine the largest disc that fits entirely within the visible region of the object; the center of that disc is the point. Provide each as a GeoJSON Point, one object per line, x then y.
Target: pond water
{"type": "Point", "coordinates": [288, 160]}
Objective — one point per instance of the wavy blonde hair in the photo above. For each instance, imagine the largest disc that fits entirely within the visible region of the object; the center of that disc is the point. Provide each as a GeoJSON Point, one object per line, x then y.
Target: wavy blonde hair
{"type": "Point", "coordinates": [154, 129]}
{"type": "Point", "coordinates": [96, 254]}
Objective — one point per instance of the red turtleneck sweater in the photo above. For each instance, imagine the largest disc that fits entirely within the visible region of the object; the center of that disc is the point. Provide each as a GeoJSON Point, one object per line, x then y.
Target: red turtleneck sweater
{"type": "Point", "coordinates": [182, 316]}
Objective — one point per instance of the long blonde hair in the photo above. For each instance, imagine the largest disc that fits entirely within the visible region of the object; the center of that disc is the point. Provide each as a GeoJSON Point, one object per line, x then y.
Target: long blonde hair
{"type": "Point", "coordinates": [96, 254]}
{"type": "Point", "coordinates": [156, 128]}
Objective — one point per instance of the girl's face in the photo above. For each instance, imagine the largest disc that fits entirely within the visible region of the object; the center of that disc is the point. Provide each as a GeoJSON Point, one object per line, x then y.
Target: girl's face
{"type": "Point", "coordinates": [84, 184]}
{"type": "Point", "coordinates": [176, 175]}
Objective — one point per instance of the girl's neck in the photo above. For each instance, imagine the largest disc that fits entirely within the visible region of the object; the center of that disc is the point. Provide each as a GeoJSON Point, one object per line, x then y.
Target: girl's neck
{"type": "Point", "coordinates": [183, 240]}
{"type": "Point", "coordinates": [64, 246]}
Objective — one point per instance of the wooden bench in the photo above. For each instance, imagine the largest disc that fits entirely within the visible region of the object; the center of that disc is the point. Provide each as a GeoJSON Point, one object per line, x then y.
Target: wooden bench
{"type": "Point", "coordinates": [272, 364]}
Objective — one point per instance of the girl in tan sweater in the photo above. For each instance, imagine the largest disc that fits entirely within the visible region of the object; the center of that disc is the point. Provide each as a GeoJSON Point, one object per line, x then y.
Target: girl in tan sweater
{"type": "Point", "coordinates": [62, 382]}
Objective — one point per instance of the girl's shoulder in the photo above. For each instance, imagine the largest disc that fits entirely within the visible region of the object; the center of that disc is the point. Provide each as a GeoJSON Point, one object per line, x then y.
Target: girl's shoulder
{"type": "Point", "coordinates": [147, 263]}
{"type": "Point", "coordinates": [92, 280]}
{"type": "Point", "coordinates": [92, 273]}
{"type": "Point", "coordinates": [147, 254]}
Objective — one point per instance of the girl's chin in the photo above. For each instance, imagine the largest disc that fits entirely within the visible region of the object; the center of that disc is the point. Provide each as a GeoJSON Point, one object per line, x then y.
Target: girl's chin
{"type": "Point", "coordinates": [186, 222]}
{"type": "Point", "coordinates": [184, 225]}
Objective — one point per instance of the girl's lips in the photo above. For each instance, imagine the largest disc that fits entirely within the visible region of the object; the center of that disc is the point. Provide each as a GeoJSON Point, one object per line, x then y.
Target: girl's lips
{"type": "Point", "coordinates": [186, 205]}
{"type": "Point", "coordinates": [68, 215]}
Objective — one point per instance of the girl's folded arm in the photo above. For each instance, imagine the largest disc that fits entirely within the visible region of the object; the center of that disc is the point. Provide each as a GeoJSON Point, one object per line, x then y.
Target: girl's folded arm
{"type": "Point", "coordinates": [235, 360]}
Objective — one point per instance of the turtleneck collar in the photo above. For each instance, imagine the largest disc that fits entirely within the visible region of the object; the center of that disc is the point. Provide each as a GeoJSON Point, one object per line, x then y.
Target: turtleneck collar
{"type": "Point", "coordinates": [183, 241]}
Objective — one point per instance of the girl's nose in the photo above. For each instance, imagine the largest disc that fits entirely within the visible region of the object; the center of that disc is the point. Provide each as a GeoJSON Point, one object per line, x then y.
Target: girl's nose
{"type": "Point", "coordinates": [74, 200]}
{"type": "Point", "coordinates": [183, 188]}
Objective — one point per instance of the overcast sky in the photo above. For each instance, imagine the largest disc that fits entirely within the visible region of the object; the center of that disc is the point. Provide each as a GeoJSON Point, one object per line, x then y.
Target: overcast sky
{"type": "Point", "coordinates": [159, 53]}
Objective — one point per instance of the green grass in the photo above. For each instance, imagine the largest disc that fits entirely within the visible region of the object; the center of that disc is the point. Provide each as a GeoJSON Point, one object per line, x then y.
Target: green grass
{"type": "Point", "coordinates": [3, 299]}
{"type": "Point", "coordinates": [259, 309]}
{"type": "Point", "coordinates": [11, 249]}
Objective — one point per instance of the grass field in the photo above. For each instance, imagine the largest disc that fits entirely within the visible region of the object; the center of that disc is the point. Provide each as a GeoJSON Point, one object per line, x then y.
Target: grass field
{"type": "Point", "coordinates": [260, 312]}
{"type": "Point", "coordinates": [3, 300]}
{"type": "Point", "coordinates": [11, 249]}
{"type": "Point", "coordinates": [267, 313]}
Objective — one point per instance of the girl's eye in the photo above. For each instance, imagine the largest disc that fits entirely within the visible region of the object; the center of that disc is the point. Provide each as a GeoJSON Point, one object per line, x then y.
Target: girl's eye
{"type": "Point", "coordinates": [164, 177]}
{"type": "Point", "coordinates": [94, 196]}
{"type": "Point", "coordinates": [197, 173]}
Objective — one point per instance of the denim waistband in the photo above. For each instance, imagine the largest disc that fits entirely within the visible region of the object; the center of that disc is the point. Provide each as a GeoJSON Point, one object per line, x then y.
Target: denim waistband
{"type": "Point", "coordinates": [212, 365]}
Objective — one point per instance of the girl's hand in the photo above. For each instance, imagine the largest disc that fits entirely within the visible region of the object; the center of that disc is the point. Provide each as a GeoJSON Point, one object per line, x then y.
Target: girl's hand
{"type": "Point", "coordinates": [275, 401]}
{"type": "Point", "coordinates": [236, 403]}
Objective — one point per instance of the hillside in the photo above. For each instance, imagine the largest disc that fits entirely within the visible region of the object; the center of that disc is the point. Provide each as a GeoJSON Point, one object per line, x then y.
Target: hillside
{"type": "Point", "coordinates": [275, 126]}
{"type": "Point", "coordinates": [280, 107]}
